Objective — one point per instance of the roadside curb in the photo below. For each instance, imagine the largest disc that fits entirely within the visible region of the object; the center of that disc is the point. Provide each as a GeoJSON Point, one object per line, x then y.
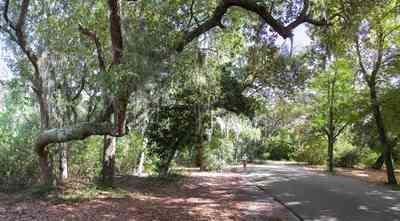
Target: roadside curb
{"type": "Point", "coordinates": [293, 216]}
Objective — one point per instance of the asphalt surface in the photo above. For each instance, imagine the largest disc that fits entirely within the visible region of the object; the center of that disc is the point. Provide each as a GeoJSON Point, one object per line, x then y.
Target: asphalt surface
{"type": "Point", "coordinates": [320, 197]}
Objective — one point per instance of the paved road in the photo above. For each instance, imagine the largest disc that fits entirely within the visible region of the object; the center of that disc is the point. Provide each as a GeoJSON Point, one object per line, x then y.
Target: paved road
{"type": "Point", "coordinates": [315, 196]}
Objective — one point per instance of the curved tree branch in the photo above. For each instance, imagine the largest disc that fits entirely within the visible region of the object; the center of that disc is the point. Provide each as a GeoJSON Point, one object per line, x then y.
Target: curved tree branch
{"type": "Point", "coordinates": [21, 38]}
{"type": "Point", "coordinates": [93, 36]}
{"type": "Point", "coordinates": [79, 132]}
{"type": "Point", "coordinates": [252, 6]}
{"type": "Point", "coordinates": [5, 14]}
{"type": "Point", "coordinates": [82, 86]}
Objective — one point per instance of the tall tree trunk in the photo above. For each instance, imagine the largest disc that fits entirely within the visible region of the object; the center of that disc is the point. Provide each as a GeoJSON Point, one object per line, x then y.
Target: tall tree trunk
{"type": "Point", "coordinates": [46, 169]}
{"type": "Point", "coordinates": [200, 157]}
{"type": "Point", "coordinates": [331, 143]}
{"type": "Point", "coordinates": [120, 102]}
{"type": "Point", "coordinates": [331, 131]}
{"type": "Point", "coordinates": [108, 170]}
{"type": "Point", "coordinates": [63, 162]}
{"type": "Point", "coordinates": [140, 166]}
{"type": "Point", "coordinates": [379, 162]}
{"type": "Point", "coordinates": [166, 164]}
{"type": "Point", "coordinates": [382, 131]}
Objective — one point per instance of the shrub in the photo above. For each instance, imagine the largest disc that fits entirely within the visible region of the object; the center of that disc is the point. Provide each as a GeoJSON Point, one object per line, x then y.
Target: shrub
{"type": "Point", "coordinates": [311, 154]}
{"type": "Point", "coordinates": [218, 153]}
{"type": "Point", "coordinates": [18, 161]}
{"type": "Point", "coordinates": [128, 153]}
{"type": "Point", "coordinates": [348, 159]}
{"type": "Point", "coordinates": [84, 158]}
{"type": "Point", "coordinates": [281, 147]}
{"type": "Point", "coordinates": [311, 150]}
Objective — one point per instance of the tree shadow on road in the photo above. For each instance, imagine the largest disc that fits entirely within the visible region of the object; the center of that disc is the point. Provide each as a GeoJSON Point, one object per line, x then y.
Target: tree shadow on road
{"type": "Point", "coordinates": [317, 196]}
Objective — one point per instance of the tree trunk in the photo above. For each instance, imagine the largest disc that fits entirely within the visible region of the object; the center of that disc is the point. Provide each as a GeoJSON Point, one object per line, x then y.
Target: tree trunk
{"type": "Point", "coordinates": [331, 133]}
{"type": "Point", "coordinates": [108, 170]}
{"type": "Point", "coordinates": [379, 162]}
{"type": "Point", "coordinates": [331, 143]}
{"type": "Point", "coordinates": [166, 164]}
{"type": "Point", "coordinates": [46, 169]}
{"type": "Point", "coordinates": [140, 166]}
{"type": "Point", "coordinates": [164, 170]}
{"type": "Point", "coordinates": [200, 157]}
{"type": "Point", "coordinates": [63, 162]}
{"type": "Point", "coordinates": [382, 131]}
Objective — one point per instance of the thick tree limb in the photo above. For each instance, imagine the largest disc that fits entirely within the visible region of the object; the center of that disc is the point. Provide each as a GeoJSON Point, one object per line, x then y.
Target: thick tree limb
{"type": "Point", "coordinates": [32, 57]}
{"type": "Point", "coordinates": [116, 31]}
{"type": "Point", "coordinates": [21, 38]}
{"type": "Point", "coordinates": [100, 126]}
{"type": "Point", "coordinates": [253, 6]}
{"type": "Point", "coordinates": [79, 132]}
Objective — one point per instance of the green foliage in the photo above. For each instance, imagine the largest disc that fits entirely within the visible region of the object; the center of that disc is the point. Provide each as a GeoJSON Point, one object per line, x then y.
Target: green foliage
{"type": "Point", "coordinates": [128, 152]}
{"type": "Point", "coordinates": [232, 88]}
{"type": "Point", "coordinates": [290, 98]}
{"type": "Point", "coordinates": [348, 158]}
{"type": "Point", "coordinates": [85, 158]}
{"type": "Point", "coordinates": [367, 157]}
{"type": "Point", "coordinates": [311, 150]}
{"type": "Point", "coordinates": [334, 93]}
{"type": "Point", "coordinates": [18, 128]}
{"type": "Point", "coordinates": [281, 147]}
{"type": "Point", "coordinates": [218, 153]}
{"type": "Point", "coordinates": [170, 128]}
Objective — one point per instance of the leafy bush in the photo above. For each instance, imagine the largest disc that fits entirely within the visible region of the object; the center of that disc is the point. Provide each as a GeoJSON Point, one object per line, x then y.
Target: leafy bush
{"type": "Point", "coordinates": [280, 151]}
{"type": "Point", "coordinates": [311, 150]}
{"type": "Point", "coordinates": [368, 157]}
{"type": "Point", "coordinates": [18, 128]}
{"type": "Point", "coordinates": [218, 153]}
{"type": "Point", "coordinates": [170, 129]}
{"type": "Point", "coordinates": [84, 158]}
{"type": "Point", "coordinates": [128, 153]}
{"type": "Point", "coordinates": [281, 147]}
{"type": "Point", "coordinates": [348, 159]}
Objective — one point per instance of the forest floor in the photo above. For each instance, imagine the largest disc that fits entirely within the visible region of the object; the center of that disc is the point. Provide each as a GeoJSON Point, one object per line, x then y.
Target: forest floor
{"type": "Point", "coordinates": [193, 196]}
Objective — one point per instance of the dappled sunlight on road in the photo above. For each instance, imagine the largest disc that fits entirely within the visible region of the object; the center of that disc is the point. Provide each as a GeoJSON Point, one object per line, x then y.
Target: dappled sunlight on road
{"type": "Point", "coordinates": [323, 197]}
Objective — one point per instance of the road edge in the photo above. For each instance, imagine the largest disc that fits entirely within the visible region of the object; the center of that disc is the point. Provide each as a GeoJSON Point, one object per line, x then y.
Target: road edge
{"type": "Point", "coordinates": [293, 216]}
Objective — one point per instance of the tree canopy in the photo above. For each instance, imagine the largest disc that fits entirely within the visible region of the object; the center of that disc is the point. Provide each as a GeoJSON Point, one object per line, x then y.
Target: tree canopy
{"type": "Point", "coordinates": [199, 81]}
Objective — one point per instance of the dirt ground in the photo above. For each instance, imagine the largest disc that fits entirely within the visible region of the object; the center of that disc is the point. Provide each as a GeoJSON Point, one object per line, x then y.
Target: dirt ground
{"type": "Point", "coordinates": [200, 196]}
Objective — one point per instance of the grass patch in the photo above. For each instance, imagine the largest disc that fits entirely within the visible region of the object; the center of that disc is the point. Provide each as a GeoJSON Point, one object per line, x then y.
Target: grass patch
{"type": "Point", "coordinates": [86, 193]}
{"type": "Point", "coordinates": [172, 178]}
{"type": "Point", "coordinates": [40, 191]}
{"type": "Point", "coordinates": [71, 193]}
{"type": "Point", "coordinates": [75, 191]}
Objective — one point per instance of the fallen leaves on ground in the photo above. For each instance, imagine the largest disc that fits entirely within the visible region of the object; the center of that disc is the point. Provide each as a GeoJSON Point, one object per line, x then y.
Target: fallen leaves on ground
{"type": "Point", "coordinates": [200, 196]}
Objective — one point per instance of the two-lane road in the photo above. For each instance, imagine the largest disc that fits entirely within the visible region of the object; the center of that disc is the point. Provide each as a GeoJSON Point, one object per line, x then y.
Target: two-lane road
{"type": "Point", "coordinates": [315, 196]}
